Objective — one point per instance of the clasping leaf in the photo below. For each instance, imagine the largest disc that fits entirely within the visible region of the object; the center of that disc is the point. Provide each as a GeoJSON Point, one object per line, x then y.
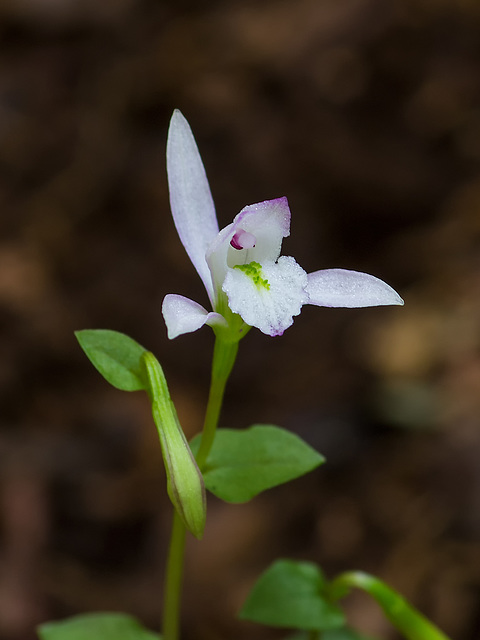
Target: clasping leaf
{"type": "Point", "coordinates": [116, 356]}
{"type": "Point", "coordinates": [243, 463]}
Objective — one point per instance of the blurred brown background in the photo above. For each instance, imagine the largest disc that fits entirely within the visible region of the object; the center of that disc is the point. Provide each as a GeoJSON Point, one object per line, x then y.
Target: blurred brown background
{"type": "Point", "coordinates": [366, 114]}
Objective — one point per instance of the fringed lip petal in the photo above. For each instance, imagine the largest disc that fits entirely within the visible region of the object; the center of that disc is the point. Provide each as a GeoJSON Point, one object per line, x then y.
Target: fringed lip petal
{"type": "Point", "coordinates": [191, 201]}
{"type": "Point", "coordinates": [183, 315]}
{"type": "Point", "coordinates": [271, 302]}
{"type": "Point", "coordinates": [344, 288]}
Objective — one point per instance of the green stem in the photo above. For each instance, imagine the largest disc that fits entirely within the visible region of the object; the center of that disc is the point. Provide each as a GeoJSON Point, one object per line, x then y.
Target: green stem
{"type": "Point", "coordinates": [411, 623]}
{"type": "Point", "coordinates": [173, 580]}
{"type": "Point", "coordinates": [224, 354]}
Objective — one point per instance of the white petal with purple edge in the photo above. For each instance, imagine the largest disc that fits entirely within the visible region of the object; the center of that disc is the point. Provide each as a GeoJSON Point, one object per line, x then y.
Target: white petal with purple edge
{"type": "Point", "coordinates": [191, 201]}
{"type": "Point", "coordinates": [183, 315]}
{"type": "Point", "coordinates": [265, 223]}
{"type": "Point", "coordinates": [270, 309]}
{"type": "Point", "coordinates": [344, 288]}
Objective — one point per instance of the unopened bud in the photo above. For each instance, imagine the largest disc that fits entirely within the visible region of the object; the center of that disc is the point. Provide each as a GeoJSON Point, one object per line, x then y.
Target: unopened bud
{"type": "Point", "coordinates": [185, 484]}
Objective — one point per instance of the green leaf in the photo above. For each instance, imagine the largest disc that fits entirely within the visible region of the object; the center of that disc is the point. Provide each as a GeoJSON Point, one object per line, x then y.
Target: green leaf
{"type": "Point", "coordinates": [116, 356]}
{"type": "Point", "coordinates": [96, 626]}
{"type": "Point", "coordinates": [242, 464]}
{"type": "Point", "coordinates": [410, 622]}
{"type": "Point", "coordinates": [345, 633]}
{"type": "Point", "coordinates": [291, 594]}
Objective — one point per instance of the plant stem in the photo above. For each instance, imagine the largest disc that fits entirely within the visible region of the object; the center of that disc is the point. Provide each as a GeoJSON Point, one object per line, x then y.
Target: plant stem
{"type": "Point", "coordinates": [410, 622]}
{"type": "Point", "coordinates": [173, 580]}
{"type": "Point", "coordinates": [224, 354]}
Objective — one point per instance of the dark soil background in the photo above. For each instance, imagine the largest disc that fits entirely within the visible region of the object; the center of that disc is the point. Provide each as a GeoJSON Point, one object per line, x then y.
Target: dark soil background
{"type": "Point", "coordinates": [366, 114]}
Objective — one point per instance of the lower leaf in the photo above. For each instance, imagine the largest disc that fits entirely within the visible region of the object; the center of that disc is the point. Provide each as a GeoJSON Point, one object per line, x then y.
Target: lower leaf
{"type": "Point", "coordinates": [345, 633]}
{"type": "Point", "coordinates": [291, 594]}
{"type": "Point", "coordinates": [96, 626]}
{"type": "Point", "coordinates": [243, 463]}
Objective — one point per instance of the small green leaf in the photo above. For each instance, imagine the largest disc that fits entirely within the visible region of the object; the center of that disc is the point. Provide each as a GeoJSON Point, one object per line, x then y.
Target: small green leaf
{"type": "Point", "coordinates": [116, 356]}
{"type": "Point", "coordinates": [291, 594]}
{"type": "Point", "coordinates": [96, 626]}
{"type": "Point", "coordinates": [242, 464]}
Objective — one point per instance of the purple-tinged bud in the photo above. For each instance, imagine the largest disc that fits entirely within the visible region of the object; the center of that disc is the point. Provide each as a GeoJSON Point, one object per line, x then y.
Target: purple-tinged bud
{"type": "Point", "coordinates": [243, 240]}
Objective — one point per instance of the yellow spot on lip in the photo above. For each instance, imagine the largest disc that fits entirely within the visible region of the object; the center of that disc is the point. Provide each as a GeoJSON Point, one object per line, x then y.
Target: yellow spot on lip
{"type": "Point", "coordinates": [254, 271]}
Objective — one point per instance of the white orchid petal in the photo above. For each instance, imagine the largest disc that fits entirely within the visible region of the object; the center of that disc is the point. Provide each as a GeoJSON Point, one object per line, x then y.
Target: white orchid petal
{"type": "Point", "coordinates": [190, 197]}
{"type": "Point", "coordinates": [344, 288]}
{"type": "Point", "coordinates": [269, 308]}
{"type": "Point", "coordinates": [183, 315]}
{"type": "Point", "coordinates": [269, 223]}
{"type": "Point", "coordinates": [265, 224]}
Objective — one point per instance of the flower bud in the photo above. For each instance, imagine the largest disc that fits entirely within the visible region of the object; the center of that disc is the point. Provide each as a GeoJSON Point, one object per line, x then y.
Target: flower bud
{"type": "Point", "coordinates": [185, 484]}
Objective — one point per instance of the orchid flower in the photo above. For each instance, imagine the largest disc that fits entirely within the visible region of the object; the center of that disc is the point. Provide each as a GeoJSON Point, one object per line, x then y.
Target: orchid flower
{"type": "Point", "coordinates": [247, 281]}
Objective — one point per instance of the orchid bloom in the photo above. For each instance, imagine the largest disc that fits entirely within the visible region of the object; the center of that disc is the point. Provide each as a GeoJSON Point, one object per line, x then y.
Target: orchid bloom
{"type": "Point", "coordinates": [249, 284]}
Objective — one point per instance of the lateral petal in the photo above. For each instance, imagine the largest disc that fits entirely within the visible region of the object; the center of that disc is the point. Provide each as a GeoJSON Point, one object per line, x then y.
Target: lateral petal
{"type": "Point", "coordinates": [344, 288]}
{"type": "Point", "coordinates": [191, 201]}
{"type": "Point", "coordinates": [183, 315]}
